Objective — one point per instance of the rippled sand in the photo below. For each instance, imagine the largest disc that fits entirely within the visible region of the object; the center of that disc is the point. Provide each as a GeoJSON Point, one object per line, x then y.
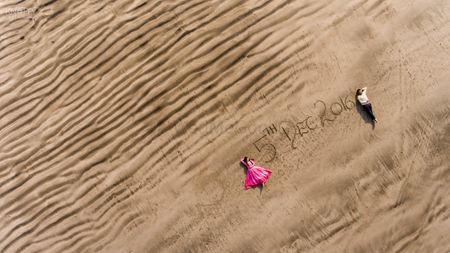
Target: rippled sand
{"type": "Point", "coordinates": [123, 122]}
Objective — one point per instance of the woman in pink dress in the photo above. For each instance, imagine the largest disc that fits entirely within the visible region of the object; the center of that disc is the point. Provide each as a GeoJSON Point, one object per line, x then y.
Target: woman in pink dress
{"type": "Point", "coordinates": [255, 175]}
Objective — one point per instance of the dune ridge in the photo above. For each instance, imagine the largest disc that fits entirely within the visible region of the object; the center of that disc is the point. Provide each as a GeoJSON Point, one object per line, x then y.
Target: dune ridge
{"type": "Point", "coordinates": [123, 122]}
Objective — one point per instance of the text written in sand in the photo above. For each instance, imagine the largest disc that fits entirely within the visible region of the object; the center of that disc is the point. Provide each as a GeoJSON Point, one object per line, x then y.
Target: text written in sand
{"type": "Point", "coordinates": [294, 131]}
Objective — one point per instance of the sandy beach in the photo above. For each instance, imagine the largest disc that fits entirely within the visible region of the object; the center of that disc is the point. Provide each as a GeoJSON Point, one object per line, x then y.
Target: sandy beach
{"type": "Point", "coordinates": [123, 122]}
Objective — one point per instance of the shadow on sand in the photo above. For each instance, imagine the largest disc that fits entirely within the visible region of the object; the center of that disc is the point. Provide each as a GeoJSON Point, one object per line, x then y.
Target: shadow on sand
{"type": "Point", "coordinates": [364, 114]}
{"type": "Point", "coordinates": [260, 187]}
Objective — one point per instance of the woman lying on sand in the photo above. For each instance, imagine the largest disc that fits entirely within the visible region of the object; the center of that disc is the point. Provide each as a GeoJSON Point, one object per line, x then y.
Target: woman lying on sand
{"type": "Point", "coordinates": [364, 101]}
{"type": "Point", "coordinates": [255, 175]}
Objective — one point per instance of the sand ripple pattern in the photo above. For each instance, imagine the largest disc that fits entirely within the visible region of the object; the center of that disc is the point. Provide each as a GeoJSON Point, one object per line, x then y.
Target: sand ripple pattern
{"type": "Point", "coordinates": [122, 123]}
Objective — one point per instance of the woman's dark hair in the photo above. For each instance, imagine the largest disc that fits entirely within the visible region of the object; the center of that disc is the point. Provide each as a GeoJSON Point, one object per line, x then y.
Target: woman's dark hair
{"type": "Point", "coordinates": [358, 92]}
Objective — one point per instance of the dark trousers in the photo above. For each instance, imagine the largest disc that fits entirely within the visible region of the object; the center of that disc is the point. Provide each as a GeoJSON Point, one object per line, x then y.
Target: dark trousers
{"type": "Point", "coordinates": [368, 109]}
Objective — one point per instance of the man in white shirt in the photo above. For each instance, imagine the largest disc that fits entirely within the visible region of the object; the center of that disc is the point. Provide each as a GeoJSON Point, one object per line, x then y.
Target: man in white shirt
{"type": "Point", "coordinates": [364, 101]}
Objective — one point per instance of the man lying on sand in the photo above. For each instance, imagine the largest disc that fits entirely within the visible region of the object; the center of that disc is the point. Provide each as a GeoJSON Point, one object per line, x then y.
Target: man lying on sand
{"type": "Point", "coordinates": [364, 101]}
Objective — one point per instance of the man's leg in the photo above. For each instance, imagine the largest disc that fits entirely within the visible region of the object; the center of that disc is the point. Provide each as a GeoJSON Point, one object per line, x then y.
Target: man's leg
{"type": "Point", "coordinates": [368, 109]}
{"type": "Point", "coordinates": [371, 113]}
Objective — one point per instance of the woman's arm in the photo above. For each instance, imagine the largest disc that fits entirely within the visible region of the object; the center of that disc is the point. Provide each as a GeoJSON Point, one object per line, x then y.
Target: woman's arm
{"type": "Point", "coordinates": [244, 162]}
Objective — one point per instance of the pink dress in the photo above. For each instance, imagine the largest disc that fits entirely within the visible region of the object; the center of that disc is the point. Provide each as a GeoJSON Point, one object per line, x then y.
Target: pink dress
{"type": "Point", "coordinates": [255, 175]}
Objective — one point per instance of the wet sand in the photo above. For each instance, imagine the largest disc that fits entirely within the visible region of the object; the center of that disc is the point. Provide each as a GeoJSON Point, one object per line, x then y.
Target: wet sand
{"type": "Point", "coordinates": [123, 122]}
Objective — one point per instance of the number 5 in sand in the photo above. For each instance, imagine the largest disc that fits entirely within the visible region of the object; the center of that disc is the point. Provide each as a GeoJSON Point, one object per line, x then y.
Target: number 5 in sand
{"type": "Point", "coordinates": [269, 146]}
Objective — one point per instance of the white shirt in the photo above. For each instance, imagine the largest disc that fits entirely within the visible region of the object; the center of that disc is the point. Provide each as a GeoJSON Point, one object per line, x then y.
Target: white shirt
{"type": "Point", "coordinates": [363, 99]}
